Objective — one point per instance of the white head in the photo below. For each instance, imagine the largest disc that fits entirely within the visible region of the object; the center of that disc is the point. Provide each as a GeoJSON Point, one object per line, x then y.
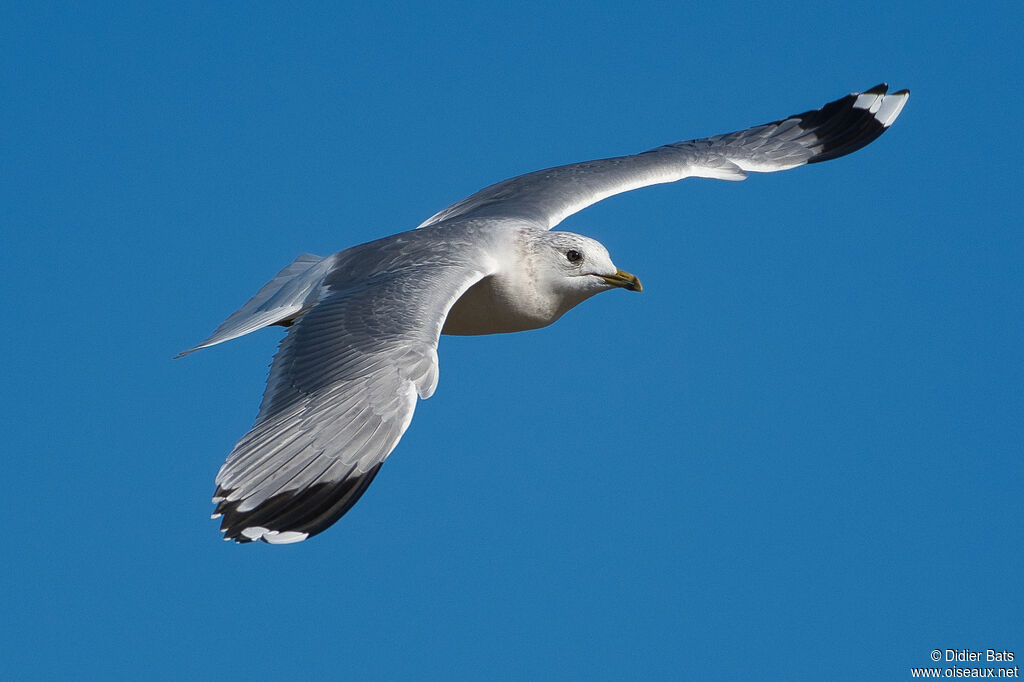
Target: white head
{"type": "Point", "coordinates": [566, 269]}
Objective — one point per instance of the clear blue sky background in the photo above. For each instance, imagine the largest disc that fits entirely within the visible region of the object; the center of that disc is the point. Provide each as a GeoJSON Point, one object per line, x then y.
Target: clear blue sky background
{"type": "Point", "coordinates": [796, 455]}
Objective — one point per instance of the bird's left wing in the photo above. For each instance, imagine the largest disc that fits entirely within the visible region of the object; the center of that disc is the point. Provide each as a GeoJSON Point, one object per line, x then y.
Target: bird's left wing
{"type": "Point", "coordinates": [341, 392]}
{"type": "Point", "coordinates": [547, 197]}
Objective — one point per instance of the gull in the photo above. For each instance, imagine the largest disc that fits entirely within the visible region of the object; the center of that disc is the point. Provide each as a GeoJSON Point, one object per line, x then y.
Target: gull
{"type": "Point", "coordinates": [363, 324]}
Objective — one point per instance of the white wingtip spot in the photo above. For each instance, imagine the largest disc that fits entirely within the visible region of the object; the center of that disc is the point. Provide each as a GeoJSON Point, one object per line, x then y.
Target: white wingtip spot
{"type": "Point", "coordinates": [891, 107]}
{"type": "Point", "coordinates": [285, 538]}
{"type": "Point", "coordinates": [866, 101]}
{"type": "Point", "coordinates": [216, 516]}
{"type": "Point", "coordinates": [274, 537]}
{"type": "Point", "coordinates": [255, 532]}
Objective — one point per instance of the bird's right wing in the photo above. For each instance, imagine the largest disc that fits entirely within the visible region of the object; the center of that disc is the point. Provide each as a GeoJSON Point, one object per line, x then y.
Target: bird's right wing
{"type": "Point", "coordinates": [547, 197]}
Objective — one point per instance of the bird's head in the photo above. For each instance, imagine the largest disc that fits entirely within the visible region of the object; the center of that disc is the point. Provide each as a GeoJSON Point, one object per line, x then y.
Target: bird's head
{"type": "Point", "coordinates": [573, 268]}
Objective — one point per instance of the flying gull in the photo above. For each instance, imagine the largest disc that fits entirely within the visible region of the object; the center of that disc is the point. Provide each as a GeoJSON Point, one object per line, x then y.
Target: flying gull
{"type": "Point", "coordinates": [363, 324]}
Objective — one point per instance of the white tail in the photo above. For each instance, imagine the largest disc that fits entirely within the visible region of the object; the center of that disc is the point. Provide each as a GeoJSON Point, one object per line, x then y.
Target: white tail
{"type": "Point", "coordinates": [290, 292]}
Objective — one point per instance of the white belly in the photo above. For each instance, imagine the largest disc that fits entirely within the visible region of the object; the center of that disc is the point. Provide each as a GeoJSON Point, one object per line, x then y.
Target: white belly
{"type": "Point", "coordinates": [486, 308]}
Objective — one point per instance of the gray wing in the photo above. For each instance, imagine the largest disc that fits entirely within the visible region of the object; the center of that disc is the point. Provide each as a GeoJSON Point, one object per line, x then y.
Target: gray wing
{"type": "Point", "coordinates": [547, 197]}
{"type": "Point", "coordinates": [342, 390]}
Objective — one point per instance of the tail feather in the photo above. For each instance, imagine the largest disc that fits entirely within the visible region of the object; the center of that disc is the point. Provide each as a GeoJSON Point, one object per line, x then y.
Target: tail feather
{"type": "Point", "coordinates": [277, 302]}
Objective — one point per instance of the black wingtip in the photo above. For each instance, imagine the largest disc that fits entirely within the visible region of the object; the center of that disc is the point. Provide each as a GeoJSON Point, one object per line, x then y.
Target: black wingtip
{"type": "Point", "coordinates": [850, 123]}
{"type": "Point", "coordinates": [298, 514]}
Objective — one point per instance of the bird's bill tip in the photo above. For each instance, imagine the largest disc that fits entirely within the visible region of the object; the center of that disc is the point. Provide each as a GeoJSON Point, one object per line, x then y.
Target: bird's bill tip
{"type": "Point", "coordinates": [623, 279]}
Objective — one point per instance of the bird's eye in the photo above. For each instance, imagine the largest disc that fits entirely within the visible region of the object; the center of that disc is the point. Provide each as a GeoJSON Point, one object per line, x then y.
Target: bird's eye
{"type": "Point", "coordinates": [573, 256]}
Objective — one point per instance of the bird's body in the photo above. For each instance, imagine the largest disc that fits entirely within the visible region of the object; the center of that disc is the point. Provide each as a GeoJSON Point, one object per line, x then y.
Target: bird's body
{"type": "Point", "coordinates": [516, 296]}
{"type": "Point", "coordinates": [364, 322]}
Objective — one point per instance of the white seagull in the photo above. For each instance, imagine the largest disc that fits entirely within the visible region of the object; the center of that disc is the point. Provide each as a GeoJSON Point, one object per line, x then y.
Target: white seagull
{"type": "Point", "coordinates": [363, 324]}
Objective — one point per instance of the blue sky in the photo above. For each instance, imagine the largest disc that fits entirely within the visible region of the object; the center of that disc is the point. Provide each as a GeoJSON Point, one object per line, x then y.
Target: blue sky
{"type": "Point", "coordinates": [796, 455]}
